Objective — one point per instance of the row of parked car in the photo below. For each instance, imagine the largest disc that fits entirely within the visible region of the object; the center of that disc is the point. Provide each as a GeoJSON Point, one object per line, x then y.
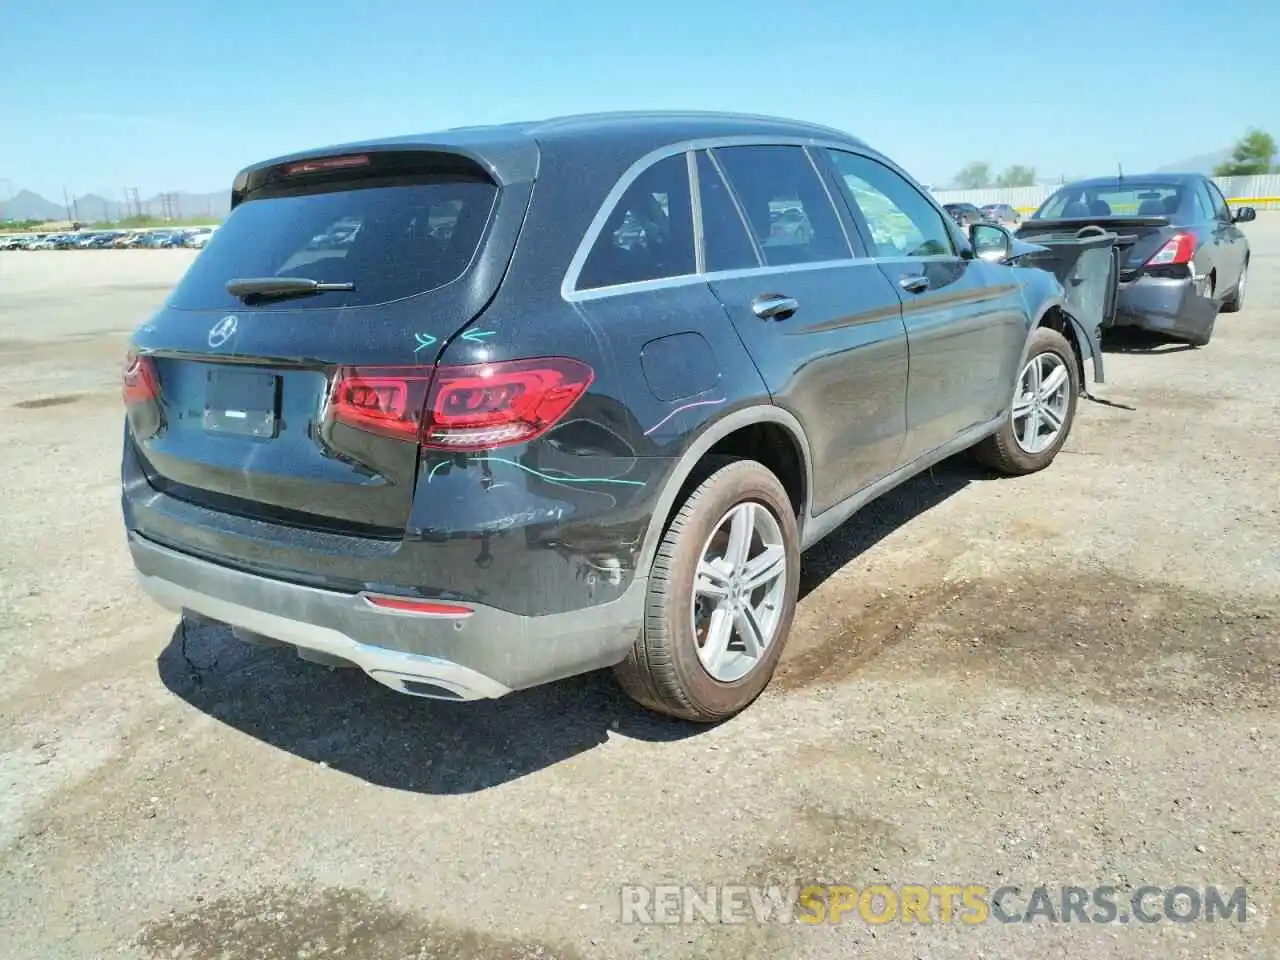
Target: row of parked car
{"type": "Point", "coordinates": [966, 214]}
{"type": "Point", "coordinates": [193, 237]}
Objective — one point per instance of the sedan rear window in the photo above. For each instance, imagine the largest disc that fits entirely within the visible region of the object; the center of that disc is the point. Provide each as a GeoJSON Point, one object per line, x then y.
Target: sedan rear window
{"type": "Point", "coordinates": [388, 242]}
{"type": "Point", "coordinates": [1129, 199]}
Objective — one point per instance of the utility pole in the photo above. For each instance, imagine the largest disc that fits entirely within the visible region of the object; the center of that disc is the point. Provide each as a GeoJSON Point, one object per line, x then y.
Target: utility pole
{"type": "Point", "coordinates": [66, 202]}
{"type": "Point", "coordinates": [169, 206]}
{"type": "Point", "coordinates": [8, 192]}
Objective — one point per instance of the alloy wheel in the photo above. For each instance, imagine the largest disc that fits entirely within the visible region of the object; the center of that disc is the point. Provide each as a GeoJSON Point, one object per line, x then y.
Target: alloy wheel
{"type": "Point", "coordinates": [1040, 406]}
{"type": "Point", "coordinates": [739, 591]}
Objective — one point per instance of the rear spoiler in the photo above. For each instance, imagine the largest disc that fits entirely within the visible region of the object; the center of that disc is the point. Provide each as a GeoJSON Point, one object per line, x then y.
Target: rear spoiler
{"type": "Point", "coordinates": [1112, 224]}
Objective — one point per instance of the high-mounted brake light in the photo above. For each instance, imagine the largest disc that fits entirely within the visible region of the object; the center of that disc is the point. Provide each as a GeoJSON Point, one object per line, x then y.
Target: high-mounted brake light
{"type": "Point", "coordinates": [481, 406]}
{"type": "Point", "coordinates": [1177, 250]}
{"type": "Point", "coordinates": [328, 163]}
{"type": "Point", "coordinates": [139, 381]}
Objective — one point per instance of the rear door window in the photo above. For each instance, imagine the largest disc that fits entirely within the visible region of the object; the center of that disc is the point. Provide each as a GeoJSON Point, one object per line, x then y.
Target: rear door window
{"type": "Point", "coordinates": [390, 242]}
{"type": "Point", "coordinates": [724, 235]}
{"type": "Point", "coordinates": [649, 233]}
{"type": "Point", "coordinates": [786, 205]}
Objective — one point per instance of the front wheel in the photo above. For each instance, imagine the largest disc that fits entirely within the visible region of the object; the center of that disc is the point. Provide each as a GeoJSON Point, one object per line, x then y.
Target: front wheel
{"type": "Point", "coordinates": [1237, 299]}
{"type": "Point", "coordinates": [1042, 412]}
{"type": "Point", "coordinates": [722, 594]}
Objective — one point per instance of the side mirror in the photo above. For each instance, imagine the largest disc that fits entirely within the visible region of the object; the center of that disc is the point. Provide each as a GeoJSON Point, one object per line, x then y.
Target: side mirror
{"type": "Point", "coordinates": [990, 241]}
{"type": "Point", "coordinates": [1244, 215]}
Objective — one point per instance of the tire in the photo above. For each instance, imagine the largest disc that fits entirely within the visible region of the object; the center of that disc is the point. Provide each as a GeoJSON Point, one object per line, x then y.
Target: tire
{"type": "Point", "coordinates": [664, 670]}
{"type": "Point", "coordinates": [1237, 299]}
{"type": "Point", "coordinates": [1002, 451]}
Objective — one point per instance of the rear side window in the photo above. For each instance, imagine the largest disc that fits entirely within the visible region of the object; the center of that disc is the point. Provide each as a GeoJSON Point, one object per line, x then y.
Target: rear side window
{"type": "Point", "coordinates": [787, 207]}
{"type": "Point", "coordinates": [649, 233]}
{"type": "Point", "coordinates": [390, 242]}
{"type": "Point", "coordinates": [728, 245]}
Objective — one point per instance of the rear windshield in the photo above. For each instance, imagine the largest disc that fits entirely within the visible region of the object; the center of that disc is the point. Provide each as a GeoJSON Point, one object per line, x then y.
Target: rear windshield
{"type": "Point", "coordinates": [391, 242]}
{"type": "Point", "coordinates": [1114, 200]}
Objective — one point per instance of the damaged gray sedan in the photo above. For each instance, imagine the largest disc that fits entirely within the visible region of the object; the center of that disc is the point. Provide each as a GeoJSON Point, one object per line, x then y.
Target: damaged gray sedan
{"type": "Point", "coordinates": [1182, 257]}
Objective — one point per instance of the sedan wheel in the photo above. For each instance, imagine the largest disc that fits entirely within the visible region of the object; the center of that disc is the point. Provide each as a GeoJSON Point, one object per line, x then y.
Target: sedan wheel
{"type": "Point", "coordinates": [1237, 299]}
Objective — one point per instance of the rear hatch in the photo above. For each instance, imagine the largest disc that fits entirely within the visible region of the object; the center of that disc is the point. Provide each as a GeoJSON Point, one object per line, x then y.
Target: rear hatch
{"type": "Point", "coordinates": [302, 406]}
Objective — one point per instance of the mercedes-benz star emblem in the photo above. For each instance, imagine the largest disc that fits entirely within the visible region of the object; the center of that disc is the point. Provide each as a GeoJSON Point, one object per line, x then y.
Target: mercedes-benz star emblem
{"type": "Point", "coordinates": [222, 330]}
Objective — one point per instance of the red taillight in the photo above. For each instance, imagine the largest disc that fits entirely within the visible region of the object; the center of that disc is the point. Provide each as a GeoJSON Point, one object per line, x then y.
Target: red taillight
{"type": "Point", "coordinates": [1177, 250]}
{"type": "Point", "coordinates": [425, 608]}
{"type": "Point", "coordinates": [486, 405]}
{"type": "Point", "coordinates": [139, 382]}
{"type": "Point", "coordinates": [387, 401]}
{"type": "Point", "coordinates": [462, 408]}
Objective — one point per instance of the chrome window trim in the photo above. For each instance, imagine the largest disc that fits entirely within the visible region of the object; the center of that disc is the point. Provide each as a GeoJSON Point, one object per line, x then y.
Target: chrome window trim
{"type": "Point", "coordinates": [695, 204]}
{"type": "Point", "coordinates": [569, 282]}
{"type": "Point", "coordinates": [684, 280]}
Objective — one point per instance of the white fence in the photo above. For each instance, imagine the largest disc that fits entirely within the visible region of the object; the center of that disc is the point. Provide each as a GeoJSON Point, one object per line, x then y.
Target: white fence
{"type": "Point", "coordinates": [1262, 192]}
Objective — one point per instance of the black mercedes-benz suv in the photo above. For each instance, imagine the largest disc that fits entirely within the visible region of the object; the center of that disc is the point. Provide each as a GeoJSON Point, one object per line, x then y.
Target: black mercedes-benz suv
{"type": "Point", "coordinates": [482, 409]}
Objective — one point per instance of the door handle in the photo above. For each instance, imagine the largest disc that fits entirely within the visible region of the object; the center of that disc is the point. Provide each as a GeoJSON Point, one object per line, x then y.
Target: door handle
{"type": "Point", "coordinates": [914, 283]}
{"type": "Point", "coordinates": [774, 306]}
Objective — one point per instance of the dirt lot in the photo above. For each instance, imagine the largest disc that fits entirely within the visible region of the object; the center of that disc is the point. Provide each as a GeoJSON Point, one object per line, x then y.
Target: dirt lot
{"type": "Point", "coordinates": [1069, 679]}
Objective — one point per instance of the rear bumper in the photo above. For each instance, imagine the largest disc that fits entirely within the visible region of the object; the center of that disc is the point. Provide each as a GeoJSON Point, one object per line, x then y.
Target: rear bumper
{"type": "Point", "coordinates": [1161, 305]}
{"type": "Point", "coordinates": [485, 655]}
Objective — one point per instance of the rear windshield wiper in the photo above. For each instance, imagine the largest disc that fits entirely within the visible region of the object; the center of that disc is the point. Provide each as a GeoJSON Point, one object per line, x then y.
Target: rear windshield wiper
{"type": "Point", "coordinates": [280, 288]}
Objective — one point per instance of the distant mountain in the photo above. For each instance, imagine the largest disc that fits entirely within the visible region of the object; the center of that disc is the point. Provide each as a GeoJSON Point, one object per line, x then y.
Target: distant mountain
{"type": "Point", "coordinates": [92, 208]}
{"type": "Point", "coordinates": [1201, 164]}
{"type": "Point", "coordinates": [26, 205]}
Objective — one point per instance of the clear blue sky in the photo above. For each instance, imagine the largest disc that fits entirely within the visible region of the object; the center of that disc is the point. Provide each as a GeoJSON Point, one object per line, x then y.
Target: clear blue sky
{"type": "Point", "coordinates": [95, 96]}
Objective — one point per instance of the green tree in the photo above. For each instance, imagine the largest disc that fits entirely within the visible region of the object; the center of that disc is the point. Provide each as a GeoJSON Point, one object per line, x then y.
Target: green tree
{"type": "Point", "coordinates": [1017, 176]}
{"type": "Point", "coordinates": [1252, 155]}
{"type": "Point", "coordinates": [974, 176]}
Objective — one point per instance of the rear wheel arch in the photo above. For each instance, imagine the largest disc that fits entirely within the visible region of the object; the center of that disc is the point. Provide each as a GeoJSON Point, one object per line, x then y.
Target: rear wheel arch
{"type": "Point", "coordinates": [765, 433]}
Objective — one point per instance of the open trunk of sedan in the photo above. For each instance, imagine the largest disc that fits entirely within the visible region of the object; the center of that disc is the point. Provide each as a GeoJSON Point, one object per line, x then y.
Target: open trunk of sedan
{"type": "Point", "coordinates": [1136, 239]}
{"type": "Point", "coordinates": [1086, 260]}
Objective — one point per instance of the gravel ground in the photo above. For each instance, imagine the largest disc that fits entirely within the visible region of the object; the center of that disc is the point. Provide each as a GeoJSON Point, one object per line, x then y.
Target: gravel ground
{"type": "Point", "coordinates": [1066, 679]}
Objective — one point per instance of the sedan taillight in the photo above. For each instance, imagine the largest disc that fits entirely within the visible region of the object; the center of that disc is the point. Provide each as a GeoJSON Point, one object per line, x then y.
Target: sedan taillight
{"type": "Point", "coordinates": [1176, 251]}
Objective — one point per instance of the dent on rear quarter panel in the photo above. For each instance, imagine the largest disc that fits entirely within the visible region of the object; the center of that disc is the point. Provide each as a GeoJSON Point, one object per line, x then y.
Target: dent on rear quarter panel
{"type": "Point", "coordinates": [556, 524]}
